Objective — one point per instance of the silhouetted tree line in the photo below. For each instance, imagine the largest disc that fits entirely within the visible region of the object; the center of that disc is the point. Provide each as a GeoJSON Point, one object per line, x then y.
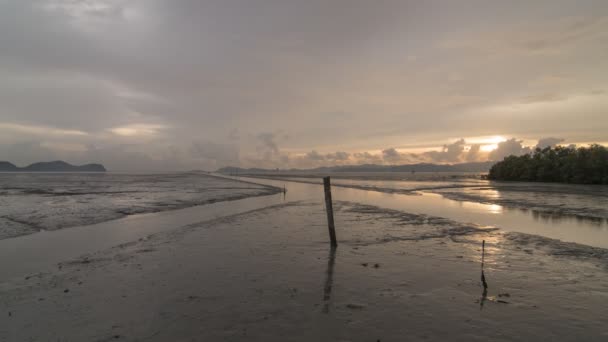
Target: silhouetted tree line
{"type": "Point", "coordinates": [583, 165]}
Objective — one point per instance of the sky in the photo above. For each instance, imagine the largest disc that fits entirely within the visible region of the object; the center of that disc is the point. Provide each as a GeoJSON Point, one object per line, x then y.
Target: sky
{"type": "Point", "coordinates": [166, 85]}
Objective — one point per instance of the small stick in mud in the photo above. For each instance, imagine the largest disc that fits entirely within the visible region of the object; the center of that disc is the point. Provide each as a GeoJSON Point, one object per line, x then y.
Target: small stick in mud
{"type": "Point", "coordinates": [330, 211]}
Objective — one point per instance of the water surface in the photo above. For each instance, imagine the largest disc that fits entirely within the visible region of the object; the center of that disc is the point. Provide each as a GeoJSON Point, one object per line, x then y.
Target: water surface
{"type": "Point", "coordinates": [592, 232]}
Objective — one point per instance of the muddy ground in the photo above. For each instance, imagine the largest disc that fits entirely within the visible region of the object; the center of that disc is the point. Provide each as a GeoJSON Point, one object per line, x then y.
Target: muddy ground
{"type": "Point", "coordinates": [270, 275]}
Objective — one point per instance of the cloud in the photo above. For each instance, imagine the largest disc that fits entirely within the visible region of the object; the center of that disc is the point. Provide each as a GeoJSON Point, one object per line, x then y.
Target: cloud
{"type": "Point", "coordinates": [457, 152]}
{"type": "Point", "coordinates": [367, 158]}
{"type": "Point", "coordinates": [25, 153]}
{"type": "Point", "coordinates": [546, 97]}
{"type": "Point", "coordinates": [548, 142]}
{"type": "Point", "coordinates": [391, 155]}
{"type": "Point", "coordinates": [267, 146]}
{"type": "Point", "coordinates": [209, 155]}
{"type": "Point", "coordinates": [39, 130]}
{"type": "Point", "coordinates": [338, 156]}
{"type": "Point", "coordinates": [216, 154]}
{"type": "Point", "coordinates": [473, 154]}
{"type": "Point", "coordinates": [226, 73]}
{"type": "Point", "coordinates": [452, 153]}
{"type": "Point", "coordinates": [126, 157]}
{"type": "Point", "coordinates": [137, 130]}
{"type": "Point", "coordinates": [85, 9]}
{"type": "Point", "coordinates": [314, 156]}
{"type": "Point", "coordinates": [315, 159]}
{"type": "Point", "coordinates": [507, 148]}
{"type": "Point", "coordinates": [115, 158]}
{"type": "Point", "coordinates": [535, 37]}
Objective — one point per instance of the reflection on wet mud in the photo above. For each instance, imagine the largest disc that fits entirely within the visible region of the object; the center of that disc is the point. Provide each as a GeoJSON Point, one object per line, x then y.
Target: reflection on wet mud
{"type": "Point", "coordinates": [546, 216]}
{"type": "Point", "coordinates": [552, 207]}
{"type": "Point", "coordinates": [484, 294]}
{"type": "Point", "coordinates": [329, 279]}
{"type": "Point", "coordinates": [549, 217]}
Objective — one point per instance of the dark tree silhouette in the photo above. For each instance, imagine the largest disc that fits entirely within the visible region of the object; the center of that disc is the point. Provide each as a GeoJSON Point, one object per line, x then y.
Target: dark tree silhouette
{"type": "Point", "coordinates": [583, 165]}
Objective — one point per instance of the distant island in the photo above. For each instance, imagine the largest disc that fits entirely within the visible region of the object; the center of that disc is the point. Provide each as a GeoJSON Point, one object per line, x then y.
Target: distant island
{"type": "Point", "coordinates": [422, 167]}
{"type": "Point", "coordinates": [54, 166]}
{"type": "Point", "coordinates": [583, 165]}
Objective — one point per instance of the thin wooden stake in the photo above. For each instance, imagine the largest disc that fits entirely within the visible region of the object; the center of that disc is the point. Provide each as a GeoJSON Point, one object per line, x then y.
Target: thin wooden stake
{"type": "Point", "coordinates": [483, 257]}
{"type": "Point", "coordinates": [483, 252]}
{"type": "Point", "coordinates": [330, 211]}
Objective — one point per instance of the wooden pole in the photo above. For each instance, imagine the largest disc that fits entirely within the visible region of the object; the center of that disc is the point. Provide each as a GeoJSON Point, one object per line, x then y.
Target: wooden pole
{"type": "Point", "coordinates": [330, 212]}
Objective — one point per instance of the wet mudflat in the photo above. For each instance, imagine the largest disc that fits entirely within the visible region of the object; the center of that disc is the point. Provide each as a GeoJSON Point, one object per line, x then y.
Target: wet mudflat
{"type": "Point", "coordinates": [270, 275]}
{"type": "Point", "coordinates": [261, 269]}
{"type": "Point", "coordinates": [34, 202]}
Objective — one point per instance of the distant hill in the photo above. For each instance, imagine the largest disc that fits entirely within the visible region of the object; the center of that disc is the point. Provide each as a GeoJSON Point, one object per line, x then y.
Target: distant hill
{"type": "Point", "coordinates": [8, 167]}
{"type": "Point", "coordinates": [54, 166]}
{"type": "Point", "coordinates": [422, 167]}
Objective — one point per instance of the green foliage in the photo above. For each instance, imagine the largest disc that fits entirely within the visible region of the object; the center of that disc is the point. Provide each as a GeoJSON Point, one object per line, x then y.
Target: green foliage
{"type": "Point", "coordinates": [583, 165]}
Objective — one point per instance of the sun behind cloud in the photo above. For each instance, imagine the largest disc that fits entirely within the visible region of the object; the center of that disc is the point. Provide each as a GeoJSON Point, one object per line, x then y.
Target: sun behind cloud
{"type": "Point", "coordinates": [487, 143]}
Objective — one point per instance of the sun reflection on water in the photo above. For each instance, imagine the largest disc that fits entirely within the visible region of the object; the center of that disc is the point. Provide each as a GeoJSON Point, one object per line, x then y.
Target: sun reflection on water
{"type": "Point", "coordinates": [495, 209]}
{"type": "Point", "coordinates": [482, 207]}
{"type": "Point", "coordinates": [490, 193]}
